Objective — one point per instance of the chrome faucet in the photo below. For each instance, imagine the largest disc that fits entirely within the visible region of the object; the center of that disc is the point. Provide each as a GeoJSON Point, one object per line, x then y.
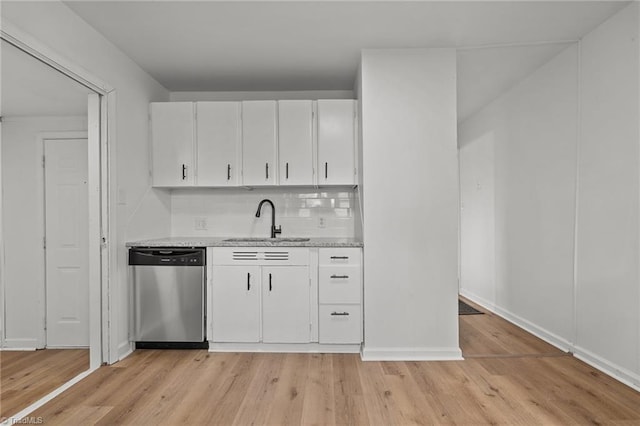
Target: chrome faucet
{"type": "Point", "coordinates": [274, 230]}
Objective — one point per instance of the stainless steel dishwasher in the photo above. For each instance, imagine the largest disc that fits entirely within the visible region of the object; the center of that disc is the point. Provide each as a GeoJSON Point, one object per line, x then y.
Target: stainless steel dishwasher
{"type": "Point", "coordinates": [168, 296]}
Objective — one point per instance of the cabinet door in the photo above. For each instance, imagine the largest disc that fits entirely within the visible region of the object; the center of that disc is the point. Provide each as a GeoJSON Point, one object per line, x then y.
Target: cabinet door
{"type": "Point", "coordinates": [235, 299]}
{"type": "Point", "coordinates": [336, 142]}
{"type": "Point", "coordinates": [259, 143]}
{"type": "Point", "coordinates": [218, 143]}
{"type": "Point", "coordinates": [172, 143]}
{"type": "Point", "coordinates": [295, 141]}
{"type": "Point", "coordinates": [285, 304]}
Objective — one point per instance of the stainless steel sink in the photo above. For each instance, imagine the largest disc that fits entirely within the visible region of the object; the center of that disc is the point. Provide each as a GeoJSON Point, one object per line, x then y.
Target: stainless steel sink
{"type": "Point", "coordinates": [266, 240]}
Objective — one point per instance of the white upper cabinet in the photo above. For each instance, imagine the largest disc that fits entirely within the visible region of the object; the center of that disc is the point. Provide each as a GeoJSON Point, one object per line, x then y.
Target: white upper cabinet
{"type": "Point", "coordinates": [172, 132]}
{"type": "Point", "coordinates": [336, 142]}
{"type": "Point", "coordinates": [259, 135]}
{"type": "Point", "coordinates": [218, 136]}
{"type": "Point", "coordinates": [295, 142]}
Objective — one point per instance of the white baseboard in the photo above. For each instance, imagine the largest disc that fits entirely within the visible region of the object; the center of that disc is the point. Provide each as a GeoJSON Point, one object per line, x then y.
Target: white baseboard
{"type": "Point", "coordinates": [411, 354]}
{"type": "Point", "coordinates": [621, 374]}
{"type": "Point", "coordinates": [485, 303]}
{"type": "Point", "coordinates": [18, 349]}
{"type": "Point", "coordinates": [124, 350]}
{"type": "Point", "coordinates": [21, 344]}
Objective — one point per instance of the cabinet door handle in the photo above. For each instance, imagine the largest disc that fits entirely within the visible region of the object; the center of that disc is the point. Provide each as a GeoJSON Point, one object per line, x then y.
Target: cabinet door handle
{"type": "Point", "coordinates": [287, 170]}
{"type": "Point", "coordinates": [270, 282]}
{"type": "Point", "coordinates": [326, 170]}
{"type": "Point", "coordinates": [339, 314]}
{"type": "Point", "coordinates": [184, 172]}
{"type": "Point", "coordinates": [248, 281]}
{"type": "Point", "coordinates": [266, 169]}
{"type": "Point", "coordinates": [228, 171]}
{"type": "Point", "coordinates": [339, 257]}
{"type": "Point", "coordinates": [340, 276]}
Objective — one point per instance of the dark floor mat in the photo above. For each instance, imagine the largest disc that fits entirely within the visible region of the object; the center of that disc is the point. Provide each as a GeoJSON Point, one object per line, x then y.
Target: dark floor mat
{"type": "Point", "coordinates": [464, 309]}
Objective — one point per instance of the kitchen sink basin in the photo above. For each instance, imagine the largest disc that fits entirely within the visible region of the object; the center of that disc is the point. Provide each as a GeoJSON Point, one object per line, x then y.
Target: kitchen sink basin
{"type": "Point", "coordinates": [266, 240]}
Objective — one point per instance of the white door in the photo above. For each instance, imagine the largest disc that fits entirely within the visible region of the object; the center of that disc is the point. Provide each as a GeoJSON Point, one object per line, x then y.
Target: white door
{"type": "Point", "coordinates": [235, 304]}
{"type": "Point", "coordinates": [218, 143]}
{"type": "Point", "coordinates": [67, 243]}
{"type": "Point", "coordinates": [259, 143]}
{"type": "Point", "coordinates": [285, 304]}
{"type": "Point", "coordinates": [295, 142]}
{"type": "Point", "coordinates": [172, 143]}
{"type": "Point", "coordinates": [336, 142]}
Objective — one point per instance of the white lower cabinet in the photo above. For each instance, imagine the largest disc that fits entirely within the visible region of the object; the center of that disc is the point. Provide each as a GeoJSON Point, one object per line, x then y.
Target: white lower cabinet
{"type": "Point", "coordinates": [260, 294]}
{"type": "Point", "coordinates": [235, 298]}
{"type": "Point", "coordinates": [285, 304]}
{"type": "Point", "coordinates": [264, 298]}
{"type": "Point", "coordinates": [340, 295]}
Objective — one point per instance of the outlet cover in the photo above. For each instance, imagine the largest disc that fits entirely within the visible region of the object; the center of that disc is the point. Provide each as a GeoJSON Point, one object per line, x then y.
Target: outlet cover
{"type": "Point", "coordinates": [200, 223]}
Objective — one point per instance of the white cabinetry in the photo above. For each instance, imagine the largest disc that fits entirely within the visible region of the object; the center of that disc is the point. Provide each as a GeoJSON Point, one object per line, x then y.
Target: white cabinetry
{"type": "Point", "coordinates": [336, 142]}
{"type": "Point", "coordinates": [172, 128]}
{"type": "Point", "coordinates": [218, 136]}
{"type": "Point", "coordinates": [235, 298]}
{"type": "Point", "coordinates": [285, 304]}
{"type": "Point", "coordinates": [260, 294]}
{"type": "Point", "coordinates": [295, 142]}
{"type": "Point", "coordinates": [259, 133]}
{"type": "Point", "coordinates": [340, 295]}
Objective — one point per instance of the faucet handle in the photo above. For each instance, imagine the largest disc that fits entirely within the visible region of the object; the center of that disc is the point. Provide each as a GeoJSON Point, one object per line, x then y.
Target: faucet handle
{"type": "Point", "coordinates": [277, 230]}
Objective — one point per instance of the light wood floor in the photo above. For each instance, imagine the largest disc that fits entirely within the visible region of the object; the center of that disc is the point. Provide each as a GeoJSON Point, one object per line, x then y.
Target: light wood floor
{"type": "Point", "coordinates": [26, 376]}
{"type": "Point", "coordinates": [509, 377]}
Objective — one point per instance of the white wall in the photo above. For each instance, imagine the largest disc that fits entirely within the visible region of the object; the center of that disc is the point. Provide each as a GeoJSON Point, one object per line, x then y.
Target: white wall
{"type": "Point", "coordinates": [23, 224]}
{"type": "Point", "coordinates": [410, 193]}
{"type": "Point", "coordinates": [54, 25]}
{"type": "Point", "coordinates": [608, 253]}
{"type": "Point", "coordinates": [567, 271]}
{"type": "Point", "coordinates": [231, 212]}
{"type": "Point", "coordinates": [517, 229]}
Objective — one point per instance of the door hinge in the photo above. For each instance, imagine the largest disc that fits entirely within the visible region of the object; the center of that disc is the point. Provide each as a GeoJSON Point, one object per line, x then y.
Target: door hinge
{"type": "Point", "coordinates": [44, 242]}
{"type": "Point", "coordinates": [43, 161]}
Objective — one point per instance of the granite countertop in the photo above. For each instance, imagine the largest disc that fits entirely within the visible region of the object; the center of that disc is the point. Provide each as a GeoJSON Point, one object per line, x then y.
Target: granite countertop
{"type": "Point", "coordinates": [264, 242]}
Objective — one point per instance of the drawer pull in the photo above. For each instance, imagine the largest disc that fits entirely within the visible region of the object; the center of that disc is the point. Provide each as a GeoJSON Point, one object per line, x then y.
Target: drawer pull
{"type": "Point", "coordinates": [339, 257]}
{"type": "Point", "coordinates": [340, 276]}
{"type": "Point", "coordinates": [339, 314]}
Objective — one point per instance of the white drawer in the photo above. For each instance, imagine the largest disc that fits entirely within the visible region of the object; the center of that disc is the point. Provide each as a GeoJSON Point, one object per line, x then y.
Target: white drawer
{"type": "Point", "coordinates": [339, 284]}
{"type": "Point", "coordinates": [339, 256]}
{"type": "Point", "coordinates": [340, 324]}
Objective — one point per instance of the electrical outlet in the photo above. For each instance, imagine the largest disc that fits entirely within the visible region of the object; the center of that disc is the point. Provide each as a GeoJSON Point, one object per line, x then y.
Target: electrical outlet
{"type": "Point", "coordinates": [322, 222]}
{"type": "Point", "coordinates": [200, 223]}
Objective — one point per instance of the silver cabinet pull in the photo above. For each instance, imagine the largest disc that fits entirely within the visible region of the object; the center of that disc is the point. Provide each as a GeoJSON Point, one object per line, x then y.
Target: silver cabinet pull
{"type": "Point", "coordinates": [184, 172]}
{"type": "Point", "coordinates": [228, 171]}
{"type": "Point", "coordinates": [339, 257]}
{"type": "Point", "coordinates": [339, 314]}
{"type": "Point", "coordinates": [340, 276]}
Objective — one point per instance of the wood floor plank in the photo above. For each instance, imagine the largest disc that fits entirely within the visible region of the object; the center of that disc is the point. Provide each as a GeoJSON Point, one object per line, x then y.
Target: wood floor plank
{"type": "Point", "coordinates": [27, 376]}
{"type": "Point", "coordinates": [318, 408]}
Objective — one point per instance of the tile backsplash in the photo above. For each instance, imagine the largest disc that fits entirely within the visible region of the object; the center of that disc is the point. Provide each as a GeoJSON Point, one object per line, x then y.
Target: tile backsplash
{"type": "Point", "coordinates": [222, 212]}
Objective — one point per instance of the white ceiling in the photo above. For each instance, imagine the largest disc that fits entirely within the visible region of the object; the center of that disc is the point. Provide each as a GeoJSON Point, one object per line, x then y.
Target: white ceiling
{"type": "Point", "coordinates": [304, 45]}
{"type": "Point", "coordinates": [28, 88]}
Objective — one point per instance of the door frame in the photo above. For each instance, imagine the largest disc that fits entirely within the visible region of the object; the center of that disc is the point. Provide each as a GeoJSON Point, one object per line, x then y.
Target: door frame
{"type": "Point", "coordinates": [40, 153]}
{"type": "Point", "coordinates": [101, 127]}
